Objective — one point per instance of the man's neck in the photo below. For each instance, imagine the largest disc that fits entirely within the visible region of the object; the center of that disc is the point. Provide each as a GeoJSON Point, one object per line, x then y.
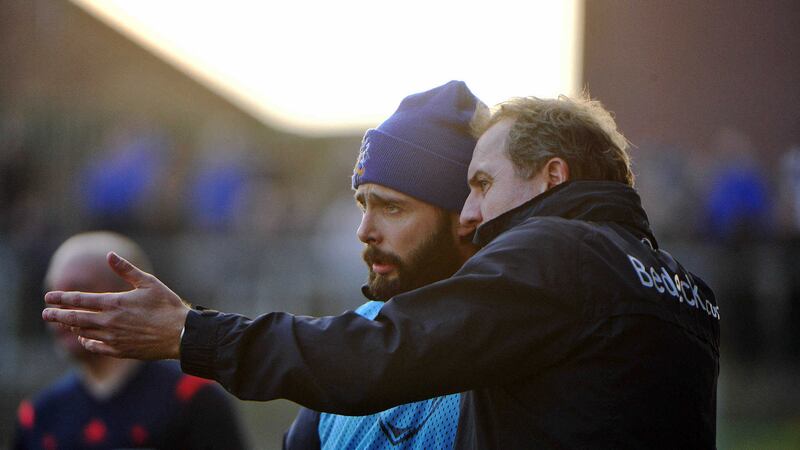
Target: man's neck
{"type": "Point", "coordinates": [104, 376]}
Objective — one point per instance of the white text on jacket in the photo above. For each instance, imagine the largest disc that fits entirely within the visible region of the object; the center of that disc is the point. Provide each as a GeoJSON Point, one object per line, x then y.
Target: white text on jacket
{"type": "Point", "coordinates": [684, 290]}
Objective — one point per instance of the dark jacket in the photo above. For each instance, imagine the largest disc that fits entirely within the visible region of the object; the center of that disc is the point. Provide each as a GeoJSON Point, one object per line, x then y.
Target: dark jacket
{"type": "Point", "coordinates": [572, 330]}
{"type": "Point", "coordinates": [157, 407]}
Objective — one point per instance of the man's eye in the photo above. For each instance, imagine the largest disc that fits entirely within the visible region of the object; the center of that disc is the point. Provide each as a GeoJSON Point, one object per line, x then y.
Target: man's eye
{"type": "Point", "coordinates": [484, 184]}
{"type": "Point", "coordinates": [391, 209]}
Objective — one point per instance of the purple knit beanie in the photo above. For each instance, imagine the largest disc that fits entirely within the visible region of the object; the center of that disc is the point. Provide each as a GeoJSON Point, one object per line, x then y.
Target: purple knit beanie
{"type": "Point", "coordinates": [424, 148]}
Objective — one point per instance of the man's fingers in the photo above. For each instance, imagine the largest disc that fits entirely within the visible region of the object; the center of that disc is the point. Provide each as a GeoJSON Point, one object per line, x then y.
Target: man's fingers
{"type": "Point", "coordinates": [128, 272]}
{"type": "Point", "coordinates": [82, 300]}
{"type": "Point", "coordinates": [98, 347]}
{"type": "Point", "coordinates": [72, 317]}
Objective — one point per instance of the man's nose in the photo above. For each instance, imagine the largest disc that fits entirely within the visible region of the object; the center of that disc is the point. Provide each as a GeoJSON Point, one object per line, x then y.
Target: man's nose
{"type": "Point", "coordinates": [471, 214]}
{"type": "Point", "coordinates": [367, 232]}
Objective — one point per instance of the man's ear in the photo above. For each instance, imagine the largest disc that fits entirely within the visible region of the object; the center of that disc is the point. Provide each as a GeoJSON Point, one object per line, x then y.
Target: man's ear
{"type": "Point", "coordinates": [557, 171]}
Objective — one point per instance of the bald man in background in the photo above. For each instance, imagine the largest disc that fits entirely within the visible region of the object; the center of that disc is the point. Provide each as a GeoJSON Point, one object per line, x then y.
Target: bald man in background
{"type": "Point", "coordinates": [119, 403]}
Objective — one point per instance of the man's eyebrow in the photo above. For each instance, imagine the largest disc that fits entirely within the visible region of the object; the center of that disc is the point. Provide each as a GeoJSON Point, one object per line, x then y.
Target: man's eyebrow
{"type": "Point", "coordinates": [478, 174]}
{"type": "Point", "coordinates": [377, 198]}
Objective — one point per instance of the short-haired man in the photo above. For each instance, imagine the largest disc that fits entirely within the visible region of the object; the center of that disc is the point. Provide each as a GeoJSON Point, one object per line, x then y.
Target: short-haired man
{"type": "Point", "coordinates": [119, 403]}
{"type": "Point", "coordinates": [409, 183]}
{"type": "Point", "coordinates": [570, 328]}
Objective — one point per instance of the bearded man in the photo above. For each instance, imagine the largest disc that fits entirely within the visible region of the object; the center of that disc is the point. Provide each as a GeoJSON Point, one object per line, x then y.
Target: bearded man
{"type": "Point", "coordinates": [409, 184]}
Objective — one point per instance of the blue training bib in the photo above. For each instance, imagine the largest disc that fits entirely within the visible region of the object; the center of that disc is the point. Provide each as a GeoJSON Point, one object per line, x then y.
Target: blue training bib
{"type": "Point", "coordinates": [427, 424]}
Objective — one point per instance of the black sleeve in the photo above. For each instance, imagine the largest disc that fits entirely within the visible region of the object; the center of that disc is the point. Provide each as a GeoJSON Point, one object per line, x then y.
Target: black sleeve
{"type": "Point", "coordinates": [304, 432]}
{"type": "Point", "coordinates": [507, 312]}
{"type": "Point", "coordinates": [212, 423]}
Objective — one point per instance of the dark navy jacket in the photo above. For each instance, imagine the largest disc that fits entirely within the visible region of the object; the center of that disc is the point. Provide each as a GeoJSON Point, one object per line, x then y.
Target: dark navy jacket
{"type": "Point", "coordinates": [157, 407]}
{"type": "Point", "coordinates": [570, 328]}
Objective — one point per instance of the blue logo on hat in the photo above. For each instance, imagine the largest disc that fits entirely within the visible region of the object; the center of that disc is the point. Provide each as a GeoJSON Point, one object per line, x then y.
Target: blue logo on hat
{"type": "Point", "coordinates": [363, 156]}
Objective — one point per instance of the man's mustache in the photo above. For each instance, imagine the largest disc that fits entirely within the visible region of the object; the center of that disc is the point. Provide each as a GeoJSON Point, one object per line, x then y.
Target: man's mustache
{"type": "Point", "coordinates": [372, 255]}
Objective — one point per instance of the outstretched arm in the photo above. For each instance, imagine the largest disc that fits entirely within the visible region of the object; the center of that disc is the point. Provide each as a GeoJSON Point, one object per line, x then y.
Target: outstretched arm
{"type": "Point", "coordinates": [492, 323]}
{"type": "Point", "coordinates": [143, 323]}
{"type": "Point", "coordinates": [499, 319]}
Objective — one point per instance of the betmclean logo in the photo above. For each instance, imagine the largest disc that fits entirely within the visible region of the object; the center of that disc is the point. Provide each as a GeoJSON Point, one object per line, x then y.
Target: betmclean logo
{"type": "Point", "coordinates": [683, 290]}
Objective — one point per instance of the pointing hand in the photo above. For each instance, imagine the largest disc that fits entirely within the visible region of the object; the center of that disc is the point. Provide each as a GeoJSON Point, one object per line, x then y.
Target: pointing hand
{"type": "Point", "coordinates": [143, 323]}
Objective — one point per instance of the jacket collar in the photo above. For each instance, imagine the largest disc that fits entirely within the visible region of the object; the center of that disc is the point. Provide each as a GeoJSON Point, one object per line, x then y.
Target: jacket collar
{"type": "Point", "coordinates": [587, 200]}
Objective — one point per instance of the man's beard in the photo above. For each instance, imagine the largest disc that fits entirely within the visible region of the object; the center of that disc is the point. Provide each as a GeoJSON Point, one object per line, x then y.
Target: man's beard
{"type": "Point", "coordinates": [436, 258]}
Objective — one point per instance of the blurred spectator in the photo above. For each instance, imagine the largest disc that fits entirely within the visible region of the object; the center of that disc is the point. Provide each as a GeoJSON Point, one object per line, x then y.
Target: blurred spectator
{"type": "Point", "coordinates": [122, 181]}
{"type": "Point", "coordinates": [738, 214]}
{"type": "Point", "coordinates": [261, 209]}
{"type": "Point", "coordinates": [26, 226]}
{"type": "Point", "coordinates": [215, 191]}
{"type": "Point", "coordinates": [738, 202]}
{"type": "Point", "coordinates": [232, 185]}
{"type": "Point", "coordinates": [16, 167]}
{"type": "Point", "coordinates": [790, 189]}
{"type": "Point", "coordinates": [662, 169]}
{"type": "Point", "coordinates": [118, 403]}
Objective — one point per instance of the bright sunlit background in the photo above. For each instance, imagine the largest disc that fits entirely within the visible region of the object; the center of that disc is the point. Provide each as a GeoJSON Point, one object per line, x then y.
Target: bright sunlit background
{"type": "Point", "coordinates": [334, 67]}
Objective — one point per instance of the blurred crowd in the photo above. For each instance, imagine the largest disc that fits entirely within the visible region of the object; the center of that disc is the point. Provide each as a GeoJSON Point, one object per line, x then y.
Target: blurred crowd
{"type": "Point", "coordinates": [217, 190]}
{"type": "Point", "coordinates": [138, 177]}
{"type": "Point", "coordinates": [727, 193]}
